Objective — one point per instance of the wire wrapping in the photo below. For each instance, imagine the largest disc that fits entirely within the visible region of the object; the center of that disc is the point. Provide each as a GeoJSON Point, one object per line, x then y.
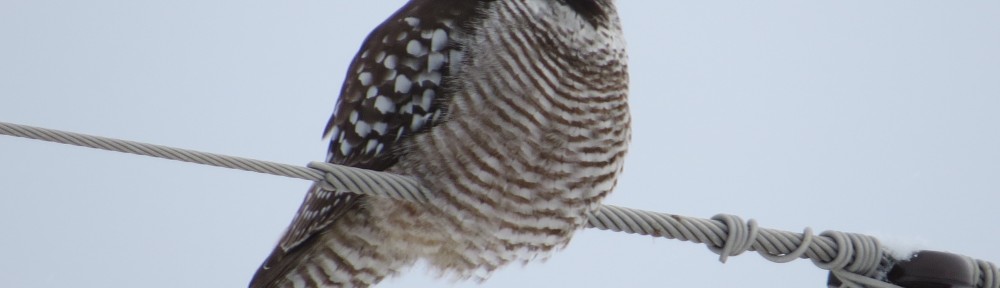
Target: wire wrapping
{"type": "Point", "coordinates": [857, 260]}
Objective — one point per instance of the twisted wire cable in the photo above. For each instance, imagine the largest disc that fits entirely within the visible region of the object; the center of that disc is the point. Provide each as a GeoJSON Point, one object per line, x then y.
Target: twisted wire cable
{"type": "Point", "coordinates": [159, 151]}
{"type": "Point", "coordinates": [857, 260]}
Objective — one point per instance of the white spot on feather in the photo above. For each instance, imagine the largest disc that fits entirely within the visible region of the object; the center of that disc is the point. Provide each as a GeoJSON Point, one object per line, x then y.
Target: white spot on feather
{"type": "Point", "coordinates": [334, 132]}
{"type": "Point", "coordinates": [434, 77]}
{"type": "Point", "coordinates": [371, 146]}
{"type": "Point", "coordinates": [345, 148]}
{"type": "Point", "coordinates": [407, 108]}
{"type": "Point", "coordinates": [353, 117]}
{"type": "Point", "coordinates": [380, 128]}
{"type": "Point", "coordinates": [426, 99]}
{"type": "Point", "coordinates": [403, 84]}
{"type": "Point", "coordinates": [418, 121]}
{"type": "Point", "coordinates": [400, 132]}
{"type": "Point", "coordinates": [439, 40]}
{"type": "Point", "coordinates": [384, 104]}
{"type": "Point", "coordinates": [391, 61]}
{"type": "Point", "coordinates": [435, 61]}
{"type": "Point", "coordinates": [412, 21]}
{"type": "Point", "coordinates": [365, 78]}
{"type": "Point", "coordinates": [362, 128]}
{"type": "Point", "coordinates": [415, 48]}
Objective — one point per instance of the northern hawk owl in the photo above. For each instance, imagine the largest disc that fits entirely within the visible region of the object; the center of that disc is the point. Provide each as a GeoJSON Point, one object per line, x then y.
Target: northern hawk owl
{"type": "Point", "coordinates": [513, 112]}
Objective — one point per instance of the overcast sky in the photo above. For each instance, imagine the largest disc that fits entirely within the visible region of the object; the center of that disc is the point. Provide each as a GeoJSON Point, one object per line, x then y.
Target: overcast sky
{"type": "Point", "coordinates": [862, 116]}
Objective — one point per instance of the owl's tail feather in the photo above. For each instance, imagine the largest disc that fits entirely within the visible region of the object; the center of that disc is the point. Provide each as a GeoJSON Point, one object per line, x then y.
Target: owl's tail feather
{"type": "Point", "coordinates": [327, 248]}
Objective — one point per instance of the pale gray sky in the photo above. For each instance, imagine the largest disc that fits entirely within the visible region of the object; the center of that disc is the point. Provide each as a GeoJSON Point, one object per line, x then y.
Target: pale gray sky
{"type": "Point", "coordinates": [861, 116]}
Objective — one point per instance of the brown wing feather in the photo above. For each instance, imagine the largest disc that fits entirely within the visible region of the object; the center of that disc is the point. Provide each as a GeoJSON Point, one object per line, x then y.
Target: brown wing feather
{"type": "Point", "coordinates": [376, 111]}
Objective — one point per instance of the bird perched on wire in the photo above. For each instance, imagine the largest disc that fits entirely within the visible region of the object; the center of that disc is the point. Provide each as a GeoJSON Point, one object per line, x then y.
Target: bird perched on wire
{"type": "Point", "coordinates": [513, 112]}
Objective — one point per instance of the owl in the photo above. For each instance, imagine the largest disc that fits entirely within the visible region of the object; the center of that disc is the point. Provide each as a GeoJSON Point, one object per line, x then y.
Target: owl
{"type": "Point", "coordinates": [513, 113]}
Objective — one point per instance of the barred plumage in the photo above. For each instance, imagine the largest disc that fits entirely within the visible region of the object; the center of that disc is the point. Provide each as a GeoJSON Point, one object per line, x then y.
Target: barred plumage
{"type": "Point", "coordinates": [513, 111]}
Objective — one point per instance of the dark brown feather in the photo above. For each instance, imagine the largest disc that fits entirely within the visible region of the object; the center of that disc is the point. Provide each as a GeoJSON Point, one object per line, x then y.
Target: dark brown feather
{"type": "Point", "coordinates": [325, 207]}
